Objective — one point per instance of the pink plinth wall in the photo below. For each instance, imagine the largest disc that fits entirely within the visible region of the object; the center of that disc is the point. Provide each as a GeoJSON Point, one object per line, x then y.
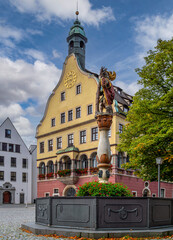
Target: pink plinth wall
{"type": "Point", "coordinates": [133, 183]}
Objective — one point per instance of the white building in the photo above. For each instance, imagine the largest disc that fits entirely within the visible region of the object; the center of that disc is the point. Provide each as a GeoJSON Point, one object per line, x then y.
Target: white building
{"type": "Point", "coordinates": [17, 167]}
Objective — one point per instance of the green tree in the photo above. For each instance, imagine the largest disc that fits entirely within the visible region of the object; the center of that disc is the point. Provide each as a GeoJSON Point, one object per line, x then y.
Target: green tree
{"type": "Point", "coordinates": [149, 133]}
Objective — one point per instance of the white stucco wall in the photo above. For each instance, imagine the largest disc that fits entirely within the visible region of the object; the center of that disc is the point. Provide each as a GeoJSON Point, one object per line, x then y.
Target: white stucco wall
{"type": "Point", "coordinates": [20, 187]}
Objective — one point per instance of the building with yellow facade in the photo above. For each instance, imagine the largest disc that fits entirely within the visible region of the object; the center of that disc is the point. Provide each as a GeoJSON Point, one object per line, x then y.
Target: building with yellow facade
{"type": "Point", "coordinates": [67, 136]}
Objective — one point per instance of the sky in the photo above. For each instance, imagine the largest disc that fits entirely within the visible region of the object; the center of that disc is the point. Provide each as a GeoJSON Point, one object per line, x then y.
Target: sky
{"type": "Point", "coordinates": [33, 48]}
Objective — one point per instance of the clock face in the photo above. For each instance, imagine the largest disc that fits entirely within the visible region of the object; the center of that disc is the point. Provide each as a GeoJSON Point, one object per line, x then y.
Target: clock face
{"type": "Point", "coordinates": [70, 79]}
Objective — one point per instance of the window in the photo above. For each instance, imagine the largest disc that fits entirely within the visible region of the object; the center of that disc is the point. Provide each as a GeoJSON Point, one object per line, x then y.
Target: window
{"type": "Point", "coordinates": [50, 167]}
{"type": "Point", "coordinates": [24, 163]}
{"type": "Point", "coordinates": [50, 145]}
{"type": "Point", "coordinates": [13, 176]}
{"type": "Point", "coordinates": [4, 146]}
{"type": "Point", "coordinates": [134, 193]}
{"type": "Point", "coordinates": [70, 115]}
{"type": "Point", "coordinates": [7, 133]}
{"type": "Point", "coordinates": [70, 140]}
{"type": "Point", "coordinates": [83, 136]}
{"type": "Point", "coordinates": [153, 195]}
{"type": "Point", "coordinates": [13, 162]}
{"type": "Point", "coordinates": [94, 134]}
{"type": "Point", "coordinates": [82, 45]}
{"type": "Point", "coordinates": [47, 194]}
{"type": "Point", "coordinates": [90, 109]}
{"type": "Point", "coordinates": [53, 122]}
{"type": "Point", "coordinates": [24, 177]}
{"type": "Point", "coordinates": [120, 159]}
{"type": "Point", "coordinates": [78, 89]}
{"type": "Point", "coordinates": [1, 160]}
{"type": "Point", "coordinates": [11, 147]}
{"type": "Point", "coordinates": [41, 147]}
{"type": "Point", "coordinates": [42, 168]}
{"type": "Point", "coordinates": [78, 112]}
{"type": "Point", "coordinates": [1, 175]}
{"type": "Point", "coordinates": [17, 148]}
{"type": "Point", "coordinates": [120, 128]}
{"type": "Point", "coordinates": [62, 117]}
{"type": "Point", "coordinates": [59, 143]}
{"type": "Point", "coordinates": [56, 192]}
{"type": "Point", "coordinates": [71, 44]}
{"type": "Point", "coordinates": [162, 192]}
{"type": "Point", "coordinates": [62, 96]}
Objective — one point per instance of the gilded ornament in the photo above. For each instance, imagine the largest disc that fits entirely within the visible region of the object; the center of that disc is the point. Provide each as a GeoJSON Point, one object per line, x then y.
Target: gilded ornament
{"type": "Point", "coordinates": [70, 79]}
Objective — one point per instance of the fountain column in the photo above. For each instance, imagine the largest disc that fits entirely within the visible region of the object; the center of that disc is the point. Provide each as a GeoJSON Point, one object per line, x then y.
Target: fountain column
{"type": "Point", "coordinates": [104, 121]}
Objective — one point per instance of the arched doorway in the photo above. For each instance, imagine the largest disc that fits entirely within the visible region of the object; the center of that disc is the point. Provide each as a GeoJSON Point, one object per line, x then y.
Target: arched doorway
{"type": "Point", "coordinates": [146, 192]}
{"type": "Point", "coordinates": [6, 197]}
{"type": "Point", "coordinates": [70, 192]}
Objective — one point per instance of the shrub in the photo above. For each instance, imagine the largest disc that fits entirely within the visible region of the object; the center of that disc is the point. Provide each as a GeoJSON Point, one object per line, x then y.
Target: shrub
{"type": "Point", "coordinates": [41, 176]}
{"type": "Point", "coordinates": [50, 175]}
{"type": "Point", "coordinates": [94, 169]}
{"type": "Point", "coordinates": [103, 190]}
{"type": "Point", "coordinates": [63, 173]}
{"type": "Point", "coordinates": [81, 171]}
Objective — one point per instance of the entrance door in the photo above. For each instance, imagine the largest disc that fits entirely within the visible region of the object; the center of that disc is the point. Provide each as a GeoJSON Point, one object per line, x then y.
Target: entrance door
{"type": "Point", "coordinates": [6, 197]}
{"type": "Point", "coordinates": [70, 192]}
{"type": "Point", "coordinates": [22, 198]}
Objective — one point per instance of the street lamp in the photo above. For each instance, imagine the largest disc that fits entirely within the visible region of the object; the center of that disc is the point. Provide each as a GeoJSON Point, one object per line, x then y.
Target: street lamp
{"type": "Point", "coordinates": [158, 162]}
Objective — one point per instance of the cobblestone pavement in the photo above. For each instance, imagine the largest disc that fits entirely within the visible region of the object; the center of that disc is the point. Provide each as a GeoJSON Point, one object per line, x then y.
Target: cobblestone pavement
{"type": "Point", "coordinates": [11, 217]}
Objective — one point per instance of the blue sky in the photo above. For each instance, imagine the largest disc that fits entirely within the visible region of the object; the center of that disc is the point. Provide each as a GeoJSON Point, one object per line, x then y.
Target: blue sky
{"type": "Point", "coordinates": [33, 48]}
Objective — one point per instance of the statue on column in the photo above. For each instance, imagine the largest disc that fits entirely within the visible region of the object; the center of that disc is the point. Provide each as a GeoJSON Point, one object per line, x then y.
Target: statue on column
{"type": "Point", "coordinates": [105, 92]}
{"type": "Point", "coordinates": [104, 114]}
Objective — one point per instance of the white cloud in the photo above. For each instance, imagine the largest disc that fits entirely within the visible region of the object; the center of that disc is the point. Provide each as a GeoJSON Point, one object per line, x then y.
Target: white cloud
{"type": "Point", "coordinates": [24, 126]}
{"type": "Point", "coordinates": [150, 29]}
{"type": "Point", "coordinates": [34, 32]}
{"type": "Point", "coordinates": [35, 54]}
{"type": "Point", "coordinates": [64, 10]}
{"type": "Point", "coordinates": [10, 35]}
{"type": "Point", "coordinates": [21, 81]}
{"type": "Point", "coordinates": [131, 88]}
{"type": "Point", "coordinates": [12, 111]}
{"type": "Point", "coordinates": [56, 54]}
{"type": "Point", "coordinates": [15, 112]}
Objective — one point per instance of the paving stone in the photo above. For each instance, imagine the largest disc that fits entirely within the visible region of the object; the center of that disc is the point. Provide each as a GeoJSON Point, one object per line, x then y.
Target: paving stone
{"type": "Point", "coordinates": [12, 216]}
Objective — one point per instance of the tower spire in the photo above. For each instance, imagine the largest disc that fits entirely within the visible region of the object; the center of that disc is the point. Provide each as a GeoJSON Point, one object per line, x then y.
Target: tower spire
{"type": "Point", "coordinates": [77, 11]}
{"type": "Point", "coordinates": [77, 40]}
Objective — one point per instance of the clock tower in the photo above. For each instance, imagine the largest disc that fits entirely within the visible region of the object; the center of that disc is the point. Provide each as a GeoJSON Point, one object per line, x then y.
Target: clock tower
{"type": "Point", "coordinates": [76, 42]}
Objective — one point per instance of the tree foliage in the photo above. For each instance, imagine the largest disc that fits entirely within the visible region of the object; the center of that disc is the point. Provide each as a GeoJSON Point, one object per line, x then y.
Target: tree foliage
{"type": "Point", "coordinates": [149, 133]}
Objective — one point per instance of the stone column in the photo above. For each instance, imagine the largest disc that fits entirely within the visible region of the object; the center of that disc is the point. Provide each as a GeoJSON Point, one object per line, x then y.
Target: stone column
{"type": "Point", "coordinates": [113, 164]}
{"type": "Point", "coordinates": [104, 121]}
{"type": "Point", "coordinates": [72, 168]}
{"type": "Point", "coordinates": [89, 166]}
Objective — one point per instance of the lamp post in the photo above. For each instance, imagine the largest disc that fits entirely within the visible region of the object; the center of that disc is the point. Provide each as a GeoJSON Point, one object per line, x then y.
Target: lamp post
{"type": "Point", "coordinates": [158, 162]}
